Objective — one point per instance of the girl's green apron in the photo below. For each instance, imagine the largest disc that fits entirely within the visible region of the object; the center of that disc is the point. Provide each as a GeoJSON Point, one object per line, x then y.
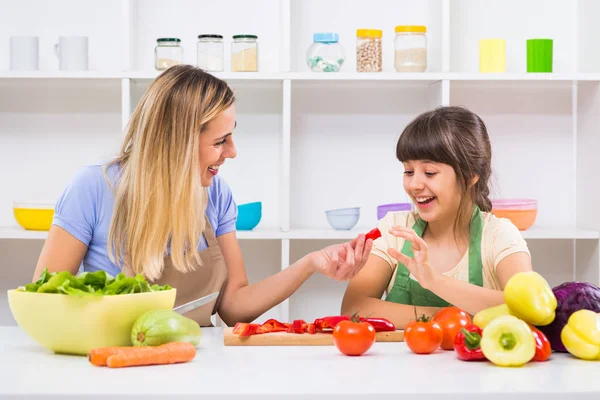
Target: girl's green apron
{"type": "Point", "coordinates": [408, 291]}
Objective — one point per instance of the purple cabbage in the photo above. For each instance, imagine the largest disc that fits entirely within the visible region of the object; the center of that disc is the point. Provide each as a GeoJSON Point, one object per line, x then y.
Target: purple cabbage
{"type": "Point", "coordinates": [571, 297]}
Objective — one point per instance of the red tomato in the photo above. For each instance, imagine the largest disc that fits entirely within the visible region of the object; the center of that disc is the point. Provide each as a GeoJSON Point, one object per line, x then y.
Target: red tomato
{"type": "Point", "coordinates": [353, 338]}
{"type": "Point", "coordinates": [451, 319]}
{"type": "Point", "coordinates": [423, 336]}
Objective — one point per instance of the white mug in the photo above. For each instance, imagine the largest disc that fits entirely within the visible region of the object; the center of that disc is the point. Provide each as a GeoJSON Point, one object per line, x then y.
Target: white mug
{"type": "Point", "coordinates": [72, 53]}
{"type": "Point", "coordinates": [24, 53]}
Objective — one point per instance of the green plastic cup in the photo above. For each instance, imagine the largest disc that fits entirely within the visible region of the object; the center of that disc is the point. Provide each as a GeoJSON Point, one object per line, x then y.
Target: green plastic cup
{"type": "Point", "coordinates": [539, 55]}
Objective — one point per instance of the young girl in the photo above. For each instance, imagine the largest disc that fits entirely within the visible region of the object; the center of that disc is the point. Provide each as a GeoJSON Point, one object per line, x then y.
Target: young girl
{"type": "Point", "coordinates": [453, 251]}
{"type": "Point", "coordinates": [160, 208]}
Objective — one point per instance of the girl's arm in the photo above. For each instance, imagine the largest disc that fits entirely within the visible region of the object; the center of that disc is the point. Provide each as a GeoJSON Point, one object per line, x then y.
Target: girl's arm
{"type": "Point", "coordinates": [473, 298]}
{"type": "Point", "coordinates": [363, 296]}
{"type": "Point", "coordinates": [468, 297]}
{"type": "Point", "coordinates": [244, 303]}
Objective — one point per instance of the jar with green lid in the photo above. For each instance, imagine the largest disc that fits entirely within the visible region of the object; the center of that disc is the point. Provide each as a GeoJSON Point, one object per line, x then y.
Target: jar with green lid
{"type": "Point", "coordinates": [244, 53]}
{"type": "Point", "coordinates": [168, 52]}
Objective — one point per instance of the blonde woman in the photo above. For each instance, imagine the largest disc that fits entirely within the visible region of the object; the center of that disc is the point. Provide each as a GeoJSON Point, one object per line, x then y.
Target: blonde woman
{"type": "Point", "coordinates": [139, 213]}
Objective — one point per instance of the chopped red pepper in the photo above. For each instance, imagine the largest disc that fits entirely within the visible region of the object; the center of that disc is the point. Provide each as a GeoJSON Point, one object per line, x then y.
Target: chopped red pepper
{"type": "Point", "coordinates": [373, 234]}
{"type": "Point", "coordinates": [380, 324]}
{"type": "Point", "coordinates": [329, 322]}
{"type": "Point", "coordinates": [245, 329]}
{"type": "Point", "coordinates": [467, 343]}
{"type": "Point", "coordinates": [298, 326]}
{"type": "Point", "coordinates": [272, 325]}
{"type": "Point", "coordinates": [312, 329]}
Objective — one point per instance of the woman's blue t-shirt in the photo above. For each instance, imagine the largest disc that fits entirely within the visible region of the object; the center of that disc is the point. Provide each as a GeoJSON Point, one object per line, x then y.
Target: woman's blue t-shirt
{"type": "Point", "coordinates": [85, 210]}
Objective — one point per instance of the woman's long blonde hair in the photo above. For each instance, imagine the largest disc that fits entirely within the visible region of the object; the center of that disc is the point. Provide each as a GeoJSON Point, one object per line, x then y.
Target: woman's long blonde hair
{"type": "Point", "coordinates": [159, 200]}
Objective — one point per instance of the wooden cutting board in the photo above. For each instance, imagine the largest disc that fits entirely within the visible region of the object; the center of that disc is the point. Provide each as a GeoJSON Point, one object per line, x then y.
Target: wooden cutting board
{"type": "Point", "coordinates": [296, 339]}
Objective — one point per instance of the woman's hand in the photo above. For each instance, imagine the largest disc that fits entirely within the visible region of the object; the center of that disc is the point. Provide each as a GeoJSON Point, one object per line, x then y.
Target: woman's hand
{"type": "Point", "coordinates": [418, 265]}
{"type": "Point", "coordinates": [342, 261]}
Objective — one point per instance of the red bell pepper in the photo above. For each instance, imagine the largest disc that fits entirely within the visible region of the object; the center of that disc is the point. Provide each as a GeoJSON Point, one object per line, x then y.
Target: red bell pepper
{"type": "Point", "coordinates": [373, 234]}
{"type": "Point", "coordinates": [542, 345]}
{"type": "Point", "coordinates": [380, 324]}
{"type": "Point", "coordinates": [467, 343]}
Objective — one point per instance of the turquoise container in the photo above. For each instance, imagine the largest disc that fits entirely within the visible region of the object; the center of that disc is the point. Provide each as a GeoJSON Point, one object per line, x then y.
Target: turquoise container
{"type": "Point", "coordinates": [249, 216]}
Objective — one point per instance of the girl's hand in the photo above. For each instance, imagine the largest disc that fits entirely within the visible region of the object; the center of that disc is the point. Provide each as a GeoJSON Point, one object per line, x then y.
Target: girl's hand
{"type": "Point", "coordinates": [418, 265]}
{"type": "Point", "coordinates": [342, 261]}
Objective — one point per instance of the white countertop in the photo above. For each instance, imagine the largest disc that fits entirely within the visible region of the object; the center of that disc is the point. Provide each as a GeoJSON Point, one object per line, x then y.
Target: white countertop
{"type": "Point", "coordinates": [387, 370]}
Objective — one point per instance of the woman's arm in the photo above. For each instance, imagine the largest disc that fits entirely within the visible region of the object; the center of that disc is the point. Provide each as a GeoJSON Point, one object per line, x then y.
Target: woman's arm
{"type": "Point", "coordinates": [244, 303]}
{"type": "Point", "coordinates": [363, 296]}
{"type": "Point", "coordinates": [61, 252]}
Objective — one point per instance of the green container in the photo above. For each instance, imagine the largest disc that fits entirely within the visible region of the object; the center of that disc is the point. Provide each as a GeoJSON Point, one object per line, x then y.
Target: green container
{"type": "Point", "coordinates": [539, 55]}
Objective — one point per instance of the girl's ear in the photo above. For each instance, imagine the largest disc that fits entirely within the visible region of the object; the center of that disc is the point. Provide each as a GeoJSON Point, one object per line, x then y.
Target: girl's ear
{"type": "Point", "coordinates": [474, 180]}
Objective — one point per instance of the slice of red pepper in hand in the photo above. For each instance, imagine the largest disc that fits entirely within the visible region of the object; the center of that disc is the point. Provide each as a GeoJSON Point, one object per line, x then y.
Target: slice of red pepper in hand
{"type": "Point", "coordinates": [380, 324]}
{"type": "Point", "coordinates": [373, 234]}
{"type": "Point", "coordinates": [467, 343]}
{"type": "Point", "coordinates": [543, 350]}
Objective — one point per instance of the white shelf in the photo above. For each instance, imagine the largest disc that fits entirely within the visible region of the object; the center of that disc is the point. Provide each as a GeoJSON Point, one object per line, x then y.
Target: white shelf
{"type": "Point", "coordinates": [312, 76]}
{"type": "Point", "coordinates": [327, 234]}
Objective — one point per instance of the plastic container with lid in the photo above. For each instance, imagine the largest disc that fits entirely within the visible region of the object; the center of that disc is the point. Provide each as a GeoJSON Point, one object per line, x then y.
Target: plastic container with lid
{"type": "Point", "coordinates": [368, 50]}
{"type": "Point", "coordinates": [410, 48]}
{"type": "Point", "coordinates": [209, 55]}
{"type": "Point", "coordinates": [168, 52]}
{"type": "Point", "coordinates": [521, 212]}
{"type": "Point", "coordinates": [325, 54]}
{"type": "Point", "coordinates": [244, 53]}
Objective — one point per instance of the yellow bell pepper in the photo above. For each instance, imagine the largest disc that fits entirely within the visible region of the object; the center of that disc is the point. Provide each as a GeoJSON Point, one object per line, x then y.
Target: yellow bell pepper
{"type": "Point", "coordinates": [508, 342]}
{"type": "Point", "coordinates": [530, 298]}
{"type": "Point", "coordinates": [484, 317]}
{"type": "Point", "coordinates": [581, 335]}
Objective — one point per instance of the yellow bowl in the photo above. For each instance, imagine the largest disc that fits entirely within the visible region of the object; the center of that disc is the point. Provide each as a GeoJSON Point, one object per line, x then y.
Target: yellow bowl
{"type": "Point", "coordinates": [32, 216]}
{"type": "Point", "coordinates": [76, 324]}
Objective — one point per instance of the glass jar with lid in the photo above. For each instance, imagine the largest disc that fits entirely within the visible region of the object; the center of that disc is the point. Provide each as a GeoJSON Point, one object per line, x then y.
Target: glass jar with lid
{"type": "Point", "coordinates": [410, 48]}
{"type": "Point", "coordinates": [209, 55]}
{"type": "Point", "coordinates": [244, 53]}
{"type": "Point", "coordinates": [368, 50]}
{"type": "Point", "coordinates": [325, 54]}
{"type": "Point", "coordinates": [168, 52]}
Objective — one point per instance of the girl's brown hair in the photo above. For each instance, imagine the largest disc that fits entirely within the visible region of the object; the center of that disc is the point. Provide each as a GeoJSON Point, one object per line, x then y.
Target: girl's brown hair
{"type": "Point", "coordinates": [457, 137]}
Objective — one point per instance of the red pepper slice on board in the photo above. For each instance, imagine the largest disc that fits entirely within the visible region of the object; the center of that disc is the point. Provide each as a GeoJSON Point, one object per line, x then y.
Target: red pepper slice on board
{"type": "Point", "coordinates": [272, 325]}
{"type": "Point", "coordinates": [373, 234]}
{"type": "Point", "coordinates": [329, 322]}
{"type": "Point", "coordinates": [467, 343]}
{"type": "Point", "coordinates": [245, 329]}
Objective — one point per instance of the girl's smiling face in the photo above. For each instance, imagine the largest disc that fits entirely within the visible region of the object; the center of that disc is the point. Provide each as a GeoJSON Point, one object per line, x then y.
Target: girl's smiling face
{"type": "Point", "coordinates": [434, 189]}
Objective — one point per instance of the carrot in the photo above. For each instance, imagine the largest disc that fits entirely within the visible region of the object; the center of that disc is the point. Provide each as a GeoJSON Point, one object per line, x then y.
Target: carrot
{"type": "Point", "coordinates": [99, 355]}
{"type": "Point", "coordinates": [168, 353]}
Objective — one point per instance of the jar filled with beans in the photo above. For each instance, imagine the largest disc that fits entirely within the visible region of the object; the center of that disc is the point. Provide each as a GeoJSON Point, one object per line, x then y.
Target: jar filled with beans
{"type": "Point", "coordinates": [368, 50]}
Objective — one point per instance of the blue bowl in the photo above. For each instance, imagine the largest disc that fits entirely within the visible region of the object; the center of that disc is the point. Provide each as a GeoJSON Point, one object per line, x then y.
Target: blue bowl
{"type": "Point", "coordinates": [249, 216]}
{"type": "Point", "coordinates": [343, 219]}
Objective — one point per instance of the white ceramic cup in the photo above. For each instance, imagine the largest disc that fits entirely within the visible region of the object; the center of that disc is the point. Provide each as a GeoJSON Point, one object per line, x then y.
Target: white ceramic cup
{"type": "Point", "coordinates": [24, 53]}
{"type": "Point", "coordinates": [72, 53]}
